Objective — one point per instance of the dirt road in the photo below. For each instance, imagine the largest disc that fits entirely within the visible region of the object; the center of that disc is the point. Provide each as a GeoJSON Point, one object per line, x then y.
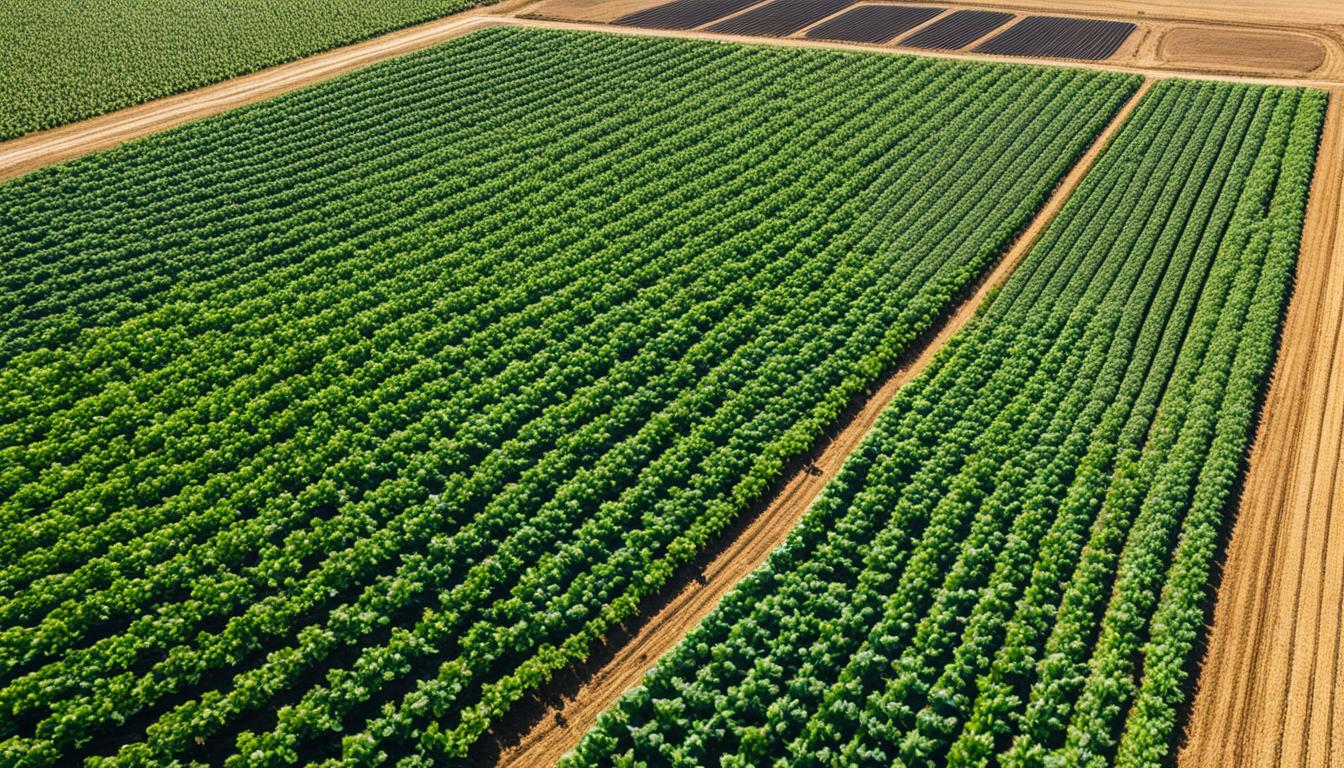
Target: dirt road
{"type": "Point", "coordinates": [1267, 695]}
{"type": "Point", "coordinates": [1271, 692]}
{"type": "Point", "coordinates": [558, 728]}
{"type": "Point", "coordinates": [28, 153]}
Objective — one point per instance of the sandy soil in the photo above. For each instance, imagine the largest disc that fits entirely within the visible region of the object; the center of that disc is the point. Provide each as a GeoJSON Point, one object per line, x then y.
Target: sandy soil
{"type": "Point", "coordinates": [1235, 49]}
{"type": "Point", "coordinates": [560, 724]}
{"type": "Point", "coordinates": [1268, 691]}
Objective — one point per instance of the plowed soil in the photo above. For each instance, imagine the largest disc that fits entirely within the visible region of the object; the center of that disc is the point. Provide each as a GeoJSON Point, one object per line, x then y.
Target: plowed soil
{"type": "Point", "coordinates": [1271, 693]}
{"type": "Point", "coordinates": [550, 732]}
{"type": "Point", "coordinates": [1235, 49]}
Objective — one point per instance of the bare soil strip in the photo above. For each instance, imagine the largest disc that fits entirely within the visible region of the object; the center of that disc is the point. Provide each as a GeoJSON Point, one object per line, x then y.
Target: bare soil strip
{"type": "Point", "coordinates": [1268, 693]}
{"type": "Point", "coordinates": [34, 151]}
{"type": "Point", "coordinates": [556, 722]}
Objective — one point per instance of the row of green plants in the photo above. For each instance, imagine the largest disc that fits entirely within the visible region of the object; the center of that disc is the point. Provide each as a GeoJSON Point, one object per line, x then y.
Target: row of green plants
{"type": "Point", "coordinates": [1012, 569]}
{"type": "Point", "coordinates": [341, 423]}
{"type": "Point", "coordinates": [67, 60]}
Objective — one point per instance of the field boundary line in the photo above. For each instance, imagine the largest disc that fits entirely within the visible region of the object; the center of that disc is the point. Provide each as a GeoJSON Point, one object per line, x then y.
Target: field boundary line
{"type": "Point", "coordinates": [557, 721]}
{"type": "Point", "coordinates": [37, 150]}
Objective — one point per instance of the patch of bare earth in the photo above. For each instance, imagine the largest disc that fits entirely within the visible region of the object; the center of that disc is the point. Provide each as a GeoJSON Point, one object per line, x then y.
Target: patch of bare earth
{"type": "Point", "coordinates": [1225, 50]}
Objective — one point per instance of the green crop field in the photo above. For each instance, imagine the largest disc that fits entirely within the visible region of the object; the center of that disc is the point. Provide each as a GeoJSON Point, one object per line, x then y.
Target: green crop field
{"type": "Point", "coordinates": [333, 426]}
{"type": "Point", "coordinates": [1012, 569]}
{"type": "Point", "coordinates": [66, 60]}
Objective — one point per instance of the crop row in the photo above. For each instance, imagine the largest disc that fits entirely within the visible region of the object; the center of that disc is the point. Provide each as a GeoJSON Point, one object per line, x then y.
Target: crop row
{"type": "Point", "coordinates": [66, 60]}
{"type": "Point", "coordinates": [335, 425]}
{"type": "Point", "coordinates": [1012, 567]}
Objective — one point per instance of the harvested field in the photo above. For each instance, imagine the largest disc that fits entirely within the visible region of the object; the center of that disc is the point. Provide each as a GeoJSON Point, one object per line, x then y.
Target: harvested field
{"type": "Point", "coordinates": [1271, 688]}
{"type": "Point", "coordinates": [683, 14]}
{"type": "Point", "coordinates": [781, 18]}
{"type": "Point", "coordinates": [1238, 50]}
{"type": "Point", "coordinates": [957, 30]}
{"type": "Point", "coordinates": [873, 23]}
{"type": "Point", "coordinates": [1059, 37]}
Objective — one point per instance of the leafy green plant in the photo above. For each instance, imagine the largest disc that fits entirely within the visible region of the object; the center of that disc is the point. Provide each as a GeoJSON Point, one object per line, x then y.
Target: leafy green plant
{"type": "Point", "coordinates": [340, 423]}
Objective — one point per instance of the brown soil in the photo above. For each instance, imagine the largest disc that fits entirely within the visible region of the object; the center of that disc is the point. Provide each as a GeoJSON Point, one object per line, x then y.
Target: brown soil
{"type": "Point", "coordinates": [1269, 691]}
{"type": "Point", "coordinates": [1240, 50]}
{"type": "Point", "coordinates": [1272, 13]}
{"type": "Point", "coordinates": [557, 722]}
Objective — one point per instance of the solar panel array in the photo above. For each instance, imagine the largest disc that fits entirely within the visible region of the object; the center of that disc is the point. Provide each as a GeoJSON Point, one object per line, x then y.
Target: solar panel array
{"type": "Point", "coordinates": [1059, 37]}
{"type": "Point", "coordinates": [957, 30]}
{"type": "Point", "coordinates": [683, 14]}
{"type": "Point", "coordinates": [1052, 36]}
{"type": "Point", "coordinates": [781, 17]}
{"type": "Point", "coordinates": [873, 23]}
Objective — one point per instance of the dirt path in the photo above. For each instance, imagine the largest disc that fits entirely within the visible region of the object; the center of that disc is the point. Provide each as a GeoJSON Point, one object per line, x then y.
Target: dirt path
{"type": "Point", "coordinates": [34, 151]}
{"type": "Point", "coordinates": [1268, 693]}
{"type": "Point", "coordinates": [557, 726]}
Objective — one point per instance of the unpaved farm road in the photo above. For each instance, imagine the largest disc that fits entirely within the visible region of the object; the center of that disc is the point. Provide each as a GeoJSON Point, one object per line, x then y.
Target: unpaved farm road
{"type": "Point", "coordinates": [36, 150]}
{"type": "Point", "coordinates": [28, 153]}
{"type": "Point", "coordinates": [1271, 692]}
{"type": "Point", "coordinates": [550, 737]}
{"type": "Point", "coordinates": [1267, 695]}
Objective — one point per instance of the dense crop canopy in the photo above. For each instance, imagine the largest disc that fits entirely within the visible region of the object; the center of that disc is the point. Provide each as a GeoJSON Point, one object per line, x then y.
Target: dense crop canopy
{"type": "Point", "coordinates": [65, 60]}
{"type": "Point", "coordinates": [1010, 571]}
{"type": "Point", "coordinates": [360, 412]}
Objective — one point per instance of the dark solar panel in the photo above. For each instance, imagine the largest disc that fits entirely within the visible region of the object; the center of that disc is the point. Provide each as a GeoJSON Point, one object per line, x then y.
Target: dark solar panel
{"type": "Point", "coordinates": [683, 14]}
{"type": "Point", "coordinates": [781, 17]}
{"type": "Point", "coordinates": [873, 23]}
{"type": "Point", "coordinates": [1059, 37]}
{"type": "Point", "coordinates": [957, 30]}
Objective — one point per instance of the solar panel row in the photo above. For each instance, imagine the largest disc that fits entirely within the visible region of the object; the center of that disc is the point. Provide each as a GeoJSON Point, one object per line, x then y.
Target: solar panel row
{"type": "Point", "coordinates": [873, 23]}
{"type": "Point", "coordinates": [957, 30]}
{"type": "Point", "coordinates": [1051, 36]}
{"type": "Point", "coordinates": [1059, 37]}
{"type": "Point", "coordinates": [683, 14]}
{"type": "Point", "coordinates": [780, 18]}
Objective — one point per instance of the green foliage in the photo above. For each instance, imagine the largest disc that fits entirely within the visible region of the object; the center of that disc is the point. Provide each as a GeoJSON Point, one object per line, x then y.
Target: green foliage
{"type": "Point", "coordinates": [66, 60]}
{"type": "Point", "coordinates": [1011, 570]}
{"type": "Point", "coordinates": [334, 426]}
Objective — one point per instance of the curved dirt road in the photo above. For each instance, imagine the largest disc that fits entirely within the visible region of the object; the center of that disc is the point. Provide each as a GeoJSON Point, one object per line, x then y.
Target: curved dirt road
{"type": "Point", "coordinates": [560, 724]}
{"type": "Point", "coordinates": [1271, 692]}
